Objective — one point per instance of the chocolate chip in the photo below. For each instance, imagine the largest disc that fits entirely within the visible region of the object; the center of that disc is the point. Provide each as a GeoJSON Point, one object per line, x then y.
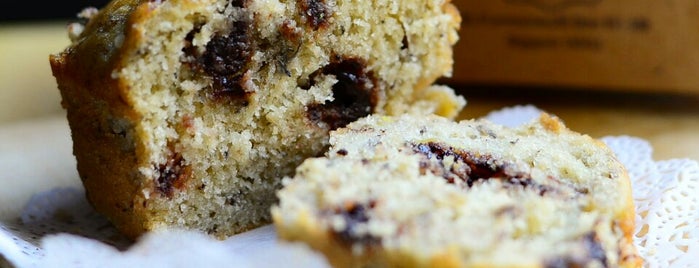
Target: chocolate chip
{"type": "Point", "coordinates": [342, 152]}
{"type": "Point", "coordinates": [354, 215]}
{"type": "Point", "coordinates": [355, 93]}
{"type": "Point", "coordinates": [232, 200]}
{"type": "Point", "coordinates": [529, 184]}
{"type": "Point", "coordinates": [172, 175]}
{"type": "Point", "coordinates": [594, 253]}
{"type": "Point", "coordinates": [212, 229]}
{"type": "Point", "coordinates": [583, 190]}
{"type": "Point", "coordinates": [317, 12]}
{"type": "Point", "coordinates": [468, 167]}
{"type": "Point", "coordinates": [239, 3]}
{"type": "Point", "coordinates": [226, 60]}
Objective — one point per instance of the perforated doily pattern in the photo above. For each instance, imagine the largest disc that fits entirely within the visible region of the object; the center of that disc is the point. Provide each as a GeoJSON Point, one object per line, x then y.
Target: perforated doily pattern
{"type": "Point", "coordinates": [60, 210]}
{"type": "Point", "coordinates": [59, 228]}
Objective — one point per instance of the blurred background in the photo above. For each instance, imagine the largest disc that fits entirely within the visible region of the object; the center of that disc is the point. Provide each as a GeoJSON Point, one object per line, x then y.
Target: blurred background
{"type": "Point", "coordinates": [606, 68]}
{"type": "Point", "coordinates": [27, 11]}
{"type": "Point", "coordinates": [622, 67]}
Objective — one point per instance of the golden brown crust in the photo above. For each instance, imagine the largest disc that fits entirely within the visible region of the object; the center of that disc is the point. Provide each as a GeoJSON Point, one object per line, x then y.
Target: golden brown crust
{"type": "Point", "coordinates": [626, 222]}
{"type": "Point", "coordinates": [625, 219]}
{"type": "Point", "coordinates": [337, 253]}
{"type": "Point", "coordinates": [551, 123]}
{"type": "Point", "coordinates": [102, 167]}
{"type": "Point", "coordinates": [452, 10]}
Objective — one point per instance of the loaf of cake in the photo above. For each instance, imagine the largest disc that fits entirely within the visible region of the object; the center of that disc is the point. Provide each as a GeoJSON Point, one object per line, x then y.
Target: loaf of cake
{"type": "Point", "coordinates": [411, 191]}
{"type": "Point", "coordinates": [186, 113]}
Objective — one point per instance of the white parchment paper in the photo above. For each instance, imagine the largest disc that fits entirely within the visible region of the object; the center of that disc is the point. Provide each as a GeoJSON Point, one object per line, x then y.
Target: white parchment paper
{"type": "Point", "coordinates": [58, 228]}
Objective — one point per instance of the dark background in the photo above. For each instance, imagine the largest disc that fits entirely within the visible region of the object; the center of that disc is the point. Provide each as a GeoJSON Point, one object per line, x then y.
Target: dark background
{"type": "Point", "coordinates": [31, 11]}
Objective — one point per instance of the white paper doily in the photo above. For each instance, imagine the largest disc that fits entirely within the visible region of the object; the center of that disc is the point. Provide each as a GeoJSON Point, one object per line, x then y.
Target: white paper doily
{"type": "Point", "coordinates": [58, 228]}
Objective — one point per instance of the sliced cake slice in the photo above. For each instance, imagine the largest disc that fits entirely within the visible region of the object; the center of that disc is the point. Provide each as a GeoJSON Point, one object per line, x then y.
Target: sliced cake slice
{"type": "Point", "coordinates": [185, 113]}
{"type": "Point", "coordinates": [429, 192]}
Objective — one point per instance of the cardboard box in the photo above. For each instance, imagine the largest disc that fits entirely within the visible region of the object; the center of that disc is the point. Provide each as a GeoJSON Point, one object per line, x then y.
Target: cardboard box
{"type": "Point", "coordinates": [642, 45]}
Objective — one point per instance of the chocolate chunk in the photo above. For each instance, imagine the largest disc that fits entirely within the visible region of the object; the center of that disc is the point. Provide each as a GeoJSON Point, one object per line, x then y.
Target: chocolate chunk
{"type": "Point", "coordinates": [212, 229]}
{"type": "Point", "coordinates": [226, 60]}
{"type": "Point", "coordinates": [404, 44]}
{"type": "Point", "coordinates": [239, 3]}
{"type": "Point", "coordinates": [355, 215]}
{"type": "Point", "coordinates": [355, 93]}
{"type": "Point", "coordinates": [528, 183]}
{"type": "Point", "coordinates": [594, 253]}
{"type": "Point", "coordinates": [232, 200]}
{"type": "Point", "coordinates": [317, 13]}
{"type": "Point", "coordinates": [470, 168]}
{"type": "Point", "coordinates": [172, 175]}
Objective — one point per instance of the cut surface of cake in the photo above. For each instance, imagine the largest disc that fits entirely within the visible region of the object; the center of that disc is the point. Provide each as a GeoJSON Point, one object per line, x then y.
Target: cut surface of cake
{"type": "Point", "coordinates": [185, 113]}
{"type": "Point", "coordinates": [429, 192]}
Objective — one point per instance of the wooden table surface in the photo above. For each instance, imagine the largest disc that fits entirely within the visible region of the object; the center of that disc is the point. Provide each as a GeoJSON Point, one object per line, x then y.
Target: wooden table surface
{"type": "Point", "coordinates": [669, 122]}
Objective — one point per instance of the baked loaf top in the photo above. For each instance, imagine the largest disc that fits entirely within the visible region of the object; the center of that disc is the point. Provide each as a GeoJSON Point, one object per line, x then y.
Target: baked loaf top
{"type": "Point", "coordinates": [186, 112]}
{"type": "Point", "coordinates": [407, 191]}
